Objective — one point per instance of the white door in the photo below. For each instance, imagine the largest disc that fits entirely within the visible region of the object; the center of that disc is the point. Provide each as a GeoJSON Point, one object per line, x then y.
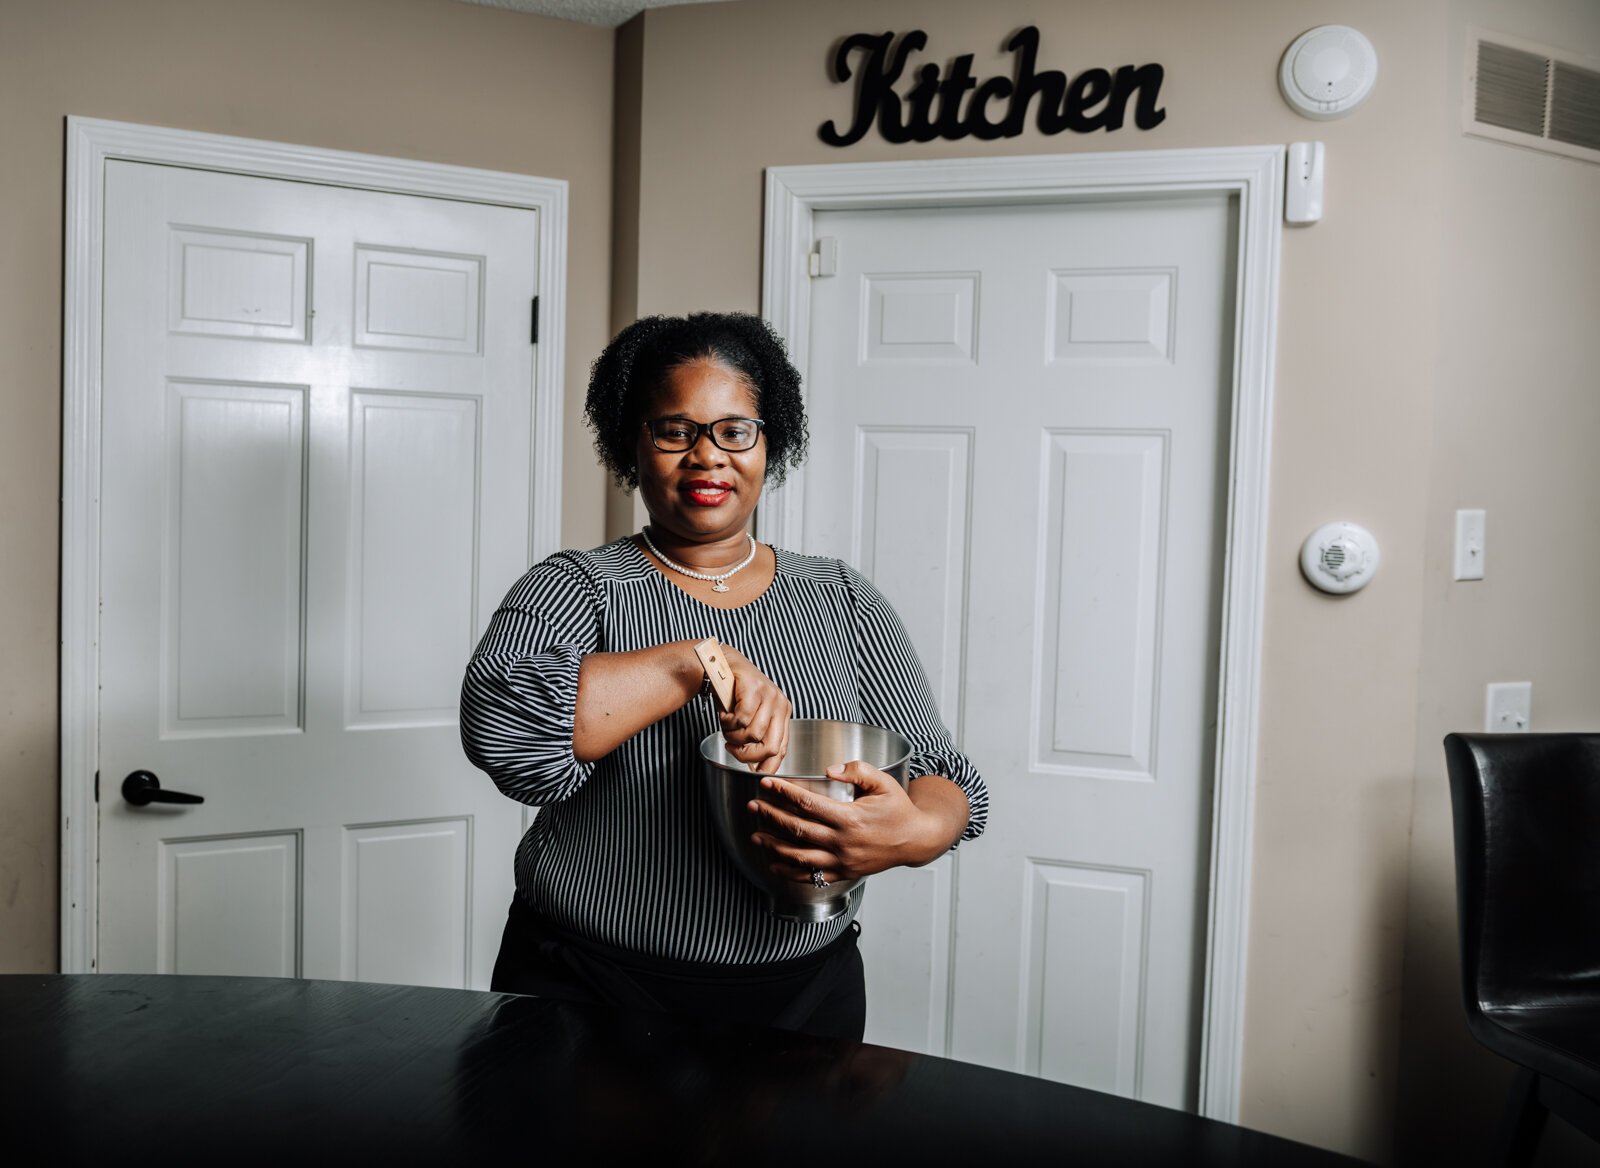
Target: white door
{"type": "Point", "coordinates": [316, 457]}
{"type": "Point", "coordinates": [1020, 432]}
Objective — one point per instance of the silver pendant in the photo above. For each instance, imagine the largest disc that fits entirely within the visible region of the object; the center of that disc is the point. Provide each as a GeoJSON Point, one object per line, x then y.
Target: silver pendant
{"type": "Point", "coordinates": [719, 586]}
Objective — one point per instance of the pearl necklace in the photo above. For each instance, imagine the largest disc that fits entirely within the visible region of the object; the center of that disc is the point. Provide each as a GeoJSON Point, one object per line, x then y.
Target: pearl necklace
{"type": "Point", "coordinates": [717, 584]}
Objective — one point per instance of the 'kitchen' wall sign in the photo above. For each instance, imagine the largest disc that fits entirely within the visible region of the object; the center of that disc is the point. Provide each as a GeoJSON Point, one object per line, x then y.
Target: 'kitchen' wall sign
{"type": "Point", "coordinates": [1095, 99]}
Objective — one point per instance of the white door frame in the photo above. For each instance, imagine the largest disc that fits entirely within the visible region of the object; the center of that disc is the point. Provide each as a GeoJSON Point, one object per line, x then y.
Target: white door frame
{"type": "Point", "coordinates": [1253, 175]}
{"type": "Point", "coordinates": [91, 143]}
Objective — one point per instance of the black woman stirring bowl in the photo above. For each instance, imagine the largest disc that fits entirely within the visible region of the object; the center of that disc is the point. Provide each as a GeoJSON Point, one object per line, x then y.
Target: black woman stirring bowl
{"type": "Point", "coordinates": [586, 698]}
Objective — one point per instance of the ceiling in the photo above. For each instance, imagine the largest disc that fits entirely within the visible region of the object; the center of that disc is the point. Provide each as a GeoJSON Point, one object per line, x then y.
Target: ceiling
{"type": "Point", "coordinates": [606, 13]}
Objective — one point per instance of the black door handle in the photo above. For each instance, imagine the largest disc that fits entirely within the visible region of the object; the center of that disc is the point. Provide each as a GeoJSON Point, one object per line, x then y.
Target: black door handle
{"type": "Point", "coordinates": [142, 787]}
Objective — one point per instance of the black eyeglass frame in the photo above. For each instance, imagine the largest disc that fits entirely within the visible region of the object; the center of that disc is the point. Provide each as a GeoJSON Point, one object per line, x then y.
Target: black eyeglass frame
{"type": "Point", "coordinates": [702, 429]}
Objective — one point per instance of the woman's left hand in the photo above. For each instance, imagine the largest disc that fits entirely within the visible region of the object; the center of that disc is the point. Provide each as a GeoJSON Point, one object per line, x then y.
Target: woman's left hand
{"type": "Point", "coordinates": [883, 827]}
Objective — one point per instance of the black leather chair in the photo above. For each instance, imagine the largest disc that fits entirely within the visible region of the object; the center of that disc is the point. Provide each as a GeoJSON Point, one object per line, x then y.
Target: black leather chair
{"type": "Point", "coordinates": [1527, 848]}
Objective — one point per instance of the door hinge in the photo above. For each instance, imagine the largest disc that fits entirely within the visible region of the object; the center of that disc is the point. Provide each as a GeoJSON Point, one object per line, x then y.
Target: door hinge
{"type": "Point", "coordinates": [533, 338]}
{"type": "Point", "coordinates": [824, 259]}
{"type": "Point", "coordinates": [97, 786]}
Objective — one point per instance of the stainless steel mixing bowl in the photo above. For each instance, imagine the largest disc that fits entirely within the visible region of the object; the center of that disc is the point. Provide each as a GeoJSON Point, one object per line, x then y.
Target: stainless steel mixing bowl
{"type": "Point", "coordinates": [815, 744]}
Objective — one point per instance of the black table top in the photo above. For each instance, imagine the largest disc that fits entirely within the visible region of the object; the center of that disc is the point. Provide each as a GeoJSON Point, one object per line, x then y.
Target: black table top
{"type": "Point", "coordinates": [181, 1070]}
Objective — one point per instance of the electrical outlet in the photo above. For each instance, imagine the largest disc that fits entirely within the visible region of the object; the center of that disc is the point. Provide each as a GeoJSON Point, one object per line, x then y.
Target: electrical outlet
{"type": "Point", "coordinates": [1508, 707]}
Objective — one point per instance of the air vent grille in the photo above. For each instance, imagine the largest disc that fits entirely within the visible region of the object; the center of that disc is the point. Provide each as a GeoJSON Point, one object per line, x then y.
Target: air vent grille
{"type": "Point", "coordinates": [1533, 96]}
{"type": "Point", "coordinates": [1575, 105]}
{"type": "Point", "coordinates": [1511, 88]}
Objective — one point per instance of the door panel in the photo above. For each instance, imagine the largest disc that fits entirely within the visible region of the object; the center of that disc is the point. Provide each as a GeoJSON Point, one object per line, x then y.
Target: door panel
{"type": "Point", "coordinates": [317, 433]}
{"type": "Point", "coordinates": [1100, 551]}
{"type": "Point", "coordinates": [233, 465]}
{"type": "Point", "coordinates": [229, 907]}
{"type": "Point", "coordinates": [927, 473]}
{"type": "Point", "coordinates": [1036, 400]}
{"type": "Point", "coordinates": [406, 896]}
{"type": "Point", "coordinates": [412, 551]}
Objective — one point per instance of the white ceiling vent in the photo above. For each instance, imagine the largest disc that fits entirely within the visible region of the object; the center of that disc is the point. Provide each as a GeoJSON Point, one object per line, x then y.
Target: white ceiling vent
{"type": "Point", "coordinates": [1532, 95]}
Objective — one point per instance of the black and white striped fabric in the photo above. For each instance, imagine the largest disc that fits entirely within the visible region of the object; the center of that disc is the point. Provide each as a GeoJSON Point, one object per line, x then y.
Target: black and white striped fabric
{"type": "Point", "coordinates": [623, 850]}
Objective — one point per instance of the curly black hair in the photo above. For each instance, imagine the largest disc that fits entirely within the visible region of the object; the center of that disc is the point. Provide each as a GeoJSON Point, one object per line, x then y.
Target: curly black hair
{"type": "Point", "coordinates": [635, 364]}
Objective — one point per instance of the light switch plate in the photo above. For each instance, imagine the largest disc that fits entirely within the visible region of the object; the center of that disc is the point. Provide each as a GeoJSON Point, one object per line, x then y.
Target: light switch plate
{"type": "Point", "coordinates": [1508, 707]}
{"type": "Point", "coordinates": [1469, 545]}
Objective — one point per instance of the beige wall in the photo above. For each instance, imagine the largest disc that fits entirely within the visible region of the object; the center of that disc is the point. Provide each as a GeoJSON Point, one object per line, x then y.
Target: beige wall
{"type": "Point", "coordinates": [1518, 426]}
{"type": "Point", "coordinates": [427, 79]}
{"type": "Point", "coordinates": [629, 102]}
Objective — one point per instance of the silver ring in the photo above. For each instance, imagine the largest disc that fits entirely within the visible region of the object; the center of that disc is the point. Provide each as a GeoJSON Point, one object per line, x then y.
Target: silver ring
{"type": "Point", "coordinates": [816, 878]}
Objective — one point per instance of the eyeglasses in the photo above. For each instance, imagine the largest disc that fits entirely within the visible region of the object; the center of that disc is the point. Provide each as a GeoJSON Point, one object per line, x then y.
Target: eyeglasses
{"type": "Point", "coordinates": [675, 435]}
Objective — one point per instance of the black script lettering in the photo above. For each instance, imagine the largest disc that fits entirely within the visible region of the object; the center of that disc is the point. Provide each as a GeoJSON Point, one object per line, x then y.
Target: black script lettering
{"type": "Point", "coordinates": [1050, 86]}
{"type": "Point", "coordinates": [951, 90]}
{"type": "Point", "coordinates": [919, 105]}
{"type": "Point", "coordinates": [875, 94]}
{"type": "Point", "coordinates": [890, 124]}
{"type": "Point", "coordinates": [1088, 89]}
{"type": "Point", "coordinates": [977, 123]}
{"type": "Point", "coordinates": [1128, 82]}
{"type": "Point", "coordinates": [1094, 100]}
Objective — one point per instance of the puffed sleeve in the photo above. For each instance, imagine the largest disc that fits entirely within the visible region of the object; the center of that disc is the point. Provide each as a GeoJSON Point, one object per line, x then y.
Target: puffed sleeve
{"type": "Point", "coordinates": [521, 688]}
{"type": "Point", "coordinates": [895, 694]}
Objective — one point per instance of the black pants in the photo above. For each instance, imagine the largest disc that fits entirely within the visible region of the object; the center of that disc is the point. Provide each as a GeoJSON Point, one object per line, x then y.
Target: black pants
{"type": "Point", "coordinates": [823, 993]}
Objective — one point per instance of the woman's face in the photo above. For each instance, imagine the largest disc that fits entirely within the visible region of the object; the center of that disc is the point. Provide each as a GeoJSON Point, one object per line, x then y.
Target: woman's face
{"type": "Point", "coordinates": [705, 493]}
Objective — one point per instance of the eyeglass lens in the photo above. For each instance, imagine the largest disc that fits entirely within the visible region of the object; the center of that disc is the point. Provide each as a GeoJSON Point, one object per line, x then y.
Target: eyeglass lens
{"type": "Point", "coordinates": [679, 434]}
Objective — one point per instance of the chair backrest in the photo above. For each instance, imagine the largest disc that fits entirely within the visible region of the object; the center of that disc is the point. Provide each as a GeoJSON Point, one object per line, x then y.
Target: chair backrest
{"type": "Point", "coordinates": [1527, 848]}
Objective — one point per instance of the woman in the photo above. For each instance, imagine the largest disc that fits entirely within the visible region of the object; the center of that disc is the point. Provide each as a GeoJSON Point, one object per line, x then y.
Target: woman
{"type": "Point", "coordinates": [585, 698]}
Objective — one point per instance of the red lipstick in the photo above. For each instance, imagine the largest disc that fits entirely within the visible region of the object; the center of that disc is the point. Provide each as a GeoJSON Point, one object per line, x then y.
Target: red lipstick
{"type": "Point", "coordinates": [708, 492]}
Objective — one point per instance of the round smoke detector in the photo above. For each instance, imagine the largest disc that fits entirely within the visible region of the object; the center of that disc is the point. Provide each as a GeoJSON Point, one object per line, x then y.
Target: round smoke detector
{"type": "Point", "coordinates": [1339, 557]}
{"type": "Point", "coordinates": [1328, 71]}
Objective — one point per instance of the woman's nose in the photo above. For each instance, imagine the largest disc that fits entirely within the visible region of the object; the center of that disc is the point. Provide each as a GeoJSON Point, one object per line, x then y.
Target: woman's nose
{"type": "Point", "coordinates": [705, 452]}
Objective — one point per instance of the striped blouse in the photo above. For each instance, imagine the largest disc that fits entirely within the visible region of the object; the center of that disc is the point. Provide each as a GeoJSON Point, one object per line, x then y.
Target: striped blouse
{"type": "Point", "coordinates": [623, 850]}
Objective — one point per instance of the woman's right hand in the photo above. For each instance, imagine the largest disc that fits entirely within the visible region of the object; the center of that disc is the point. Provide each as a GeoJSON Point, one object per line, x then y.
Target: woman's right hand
{"type": "Point", "coordinates": [757, 728]}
